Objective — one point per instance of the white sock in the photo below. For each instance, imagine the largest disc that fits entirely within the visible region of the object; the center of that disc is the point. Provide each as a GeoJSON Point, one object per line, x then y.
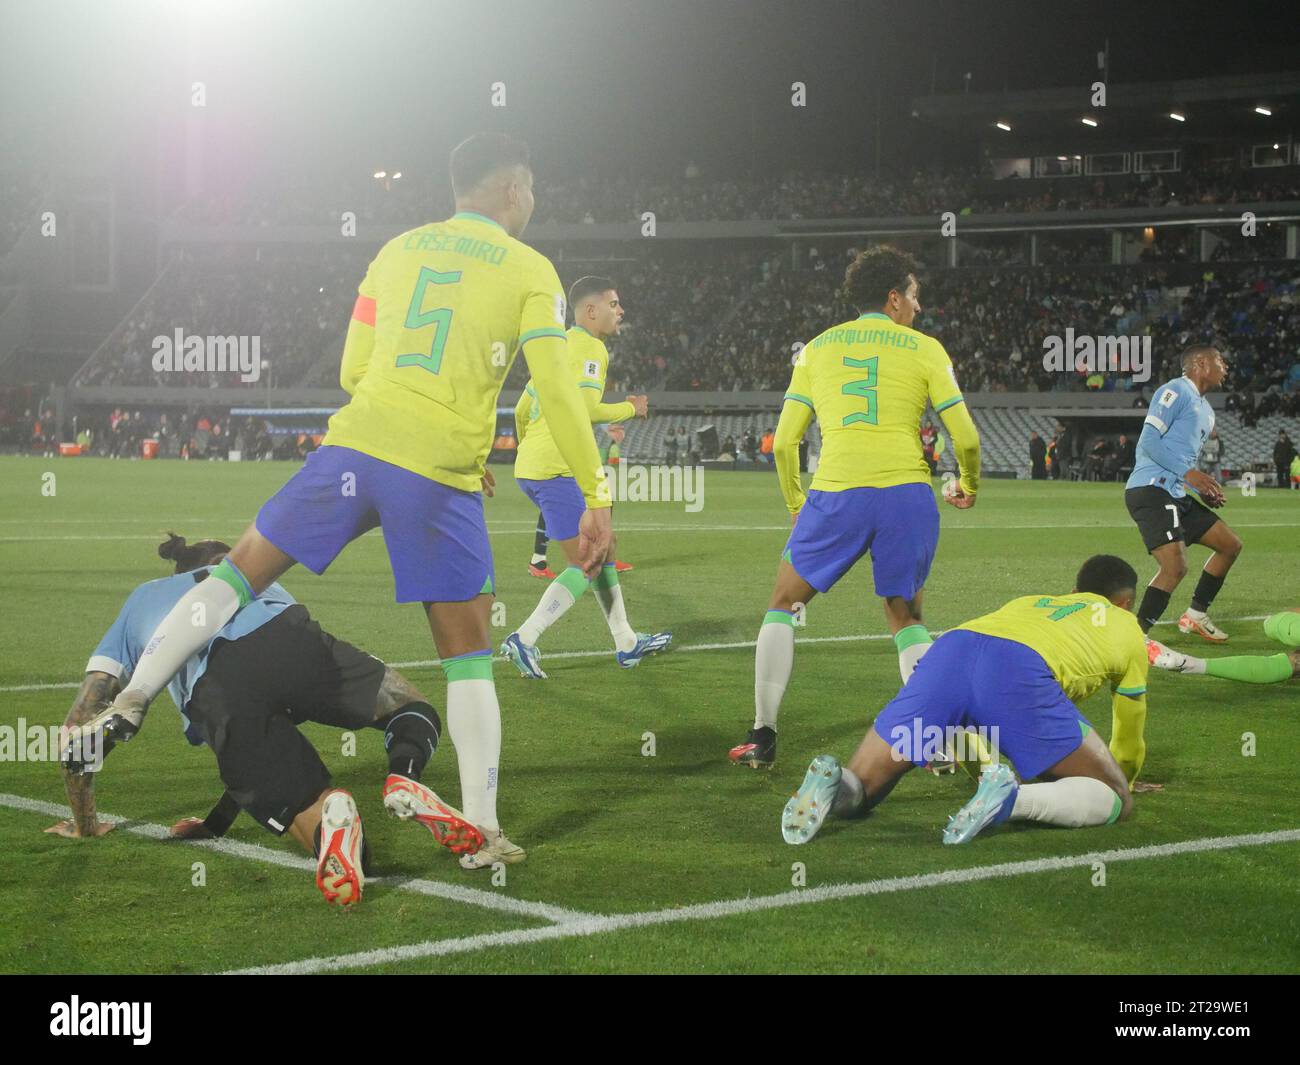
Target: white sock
{"type": "Point", "coordinates": [474, 719]}
{"type": "Point", "coordinates": [1071, 802]}
{"type": "Point", "coordinates": [198, 616]}
{"type": "Point", "coordinates": [539, 560]}
{"type": "Point", "coordinates": [849, 796]}
{"type": "Point", "coordinates": [773, 661]}
{"type": "Point", "coordinates": [559, 596]}
{"type": "Point", "coordinates": [609, 595]}
{"type": "Point", "coordinates": [909, 657]}
{"type": "Point", "coordinates": [1196, 615]}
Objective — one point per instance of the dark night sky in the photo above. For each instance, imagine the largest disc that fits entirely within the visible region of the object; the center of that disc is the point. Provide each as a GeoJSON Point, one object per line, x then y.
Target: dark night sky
{"type": "Point", "coordinates": [330, 87]}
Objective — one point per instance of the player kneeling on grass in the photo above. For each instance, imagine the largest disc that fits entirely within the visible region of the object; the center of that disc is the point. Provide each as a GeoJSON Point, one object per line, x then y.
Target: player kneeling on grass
{"type": "Point", "coordinates": [244, 693]}
{"type": "Point", "coordinates": [1014, 676]}
{"type": "Point", "coordinates": [1252, 669]}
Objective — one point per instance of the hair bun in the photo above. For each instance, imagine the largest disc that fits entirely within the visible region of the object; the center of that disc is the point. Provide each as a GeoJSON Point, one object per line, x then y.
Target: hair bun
{"type": "Point", "coordinates": [172, 548]}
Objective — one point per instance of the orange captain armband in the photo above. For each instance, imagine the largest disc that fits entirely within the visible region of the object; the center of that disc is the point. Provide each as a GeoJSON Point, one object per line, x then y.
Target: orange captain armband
{"type": "Point", "coordinates": [363, 311]}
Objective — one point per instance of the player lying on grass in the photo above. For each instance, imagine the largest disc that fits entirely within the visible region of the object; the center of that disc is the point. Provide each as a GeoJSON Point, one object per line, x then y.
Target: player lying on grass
{"type": "Point", "coordinates": [440, 315]}
{"type": "Point", "coordinates": [868, 382]}
{"type": "Point", "coordinates": [547, 480]}
{"type": "Point", "coordinates": [1252, 669]}
{"type": "Point", "coordinates": [1169, 520]}
{"type": "Point", "coordinates": [1015, 675]}
{"type": "Point", "coordinates": [265, 672]}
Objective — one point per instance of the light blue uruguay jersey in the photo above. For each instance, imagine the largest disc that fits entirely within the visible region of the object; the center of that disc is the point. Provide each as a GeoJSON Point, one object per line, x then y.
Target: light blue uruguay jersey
{"type": "Point", "coordinates": [120, 649]}
{"type": "Point", "coordinates": [1177, 423]}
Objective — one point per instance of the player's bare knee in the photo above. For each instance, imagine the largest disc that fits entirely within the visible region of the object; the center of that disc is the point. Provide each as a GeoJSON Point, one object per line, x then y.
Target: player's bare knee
{"type": "Point", "coordinates": [1174, 570]}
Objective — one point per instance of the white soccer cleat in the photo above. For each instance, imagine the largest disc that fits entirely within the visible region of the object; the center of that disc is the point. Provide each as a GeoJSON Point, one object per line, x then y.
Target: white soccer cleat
{"type": "Point", "coordinates": [409, 800]}
{"type": "Point", "coordinates": [496, 848]}
{"type": "Point", "coordinates": [338, 870]}
{"type": "Point", "coordinates": [1163, 657]}
{"type": "Point", "coordinates": [1202, 627]}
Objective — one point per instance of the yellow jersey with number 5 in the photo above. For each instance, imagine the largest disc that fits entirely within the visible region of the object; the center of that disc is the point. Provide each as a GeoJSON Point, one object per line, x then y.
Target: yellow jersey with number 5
{"type": "Point", "coordinates": [439, 318]}
{"type": "Point", "coordinates": [868, 382]}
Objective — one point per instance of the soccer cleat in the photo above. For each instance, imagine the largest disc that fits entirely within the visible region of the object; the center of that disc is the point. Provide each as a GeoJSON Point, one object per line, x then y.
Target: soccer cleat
{"type": "Point", "coordinates": [990, 805]}
{"type": "Point", "coordinates": [623, 567]}
{"type": "Point", "coordinates": [1163, 657]}
{"type": "Point", "coordinates": [496, 848]}
{"type": "Point", "coordinates": [408, 799]}
{"type": "Point", "coordinates": [645, 645]}
{"type": "Point", "coordinates": [527, 659]}
{"type": "Point", "coordinates": [543, 571]}
{"type": "Point", "coordinates": [758, 751]}
{"type": "Point", "coordinates": [807, 808]}
{"type": "Point", "coordinates": [1202, 627]}
{"type": "Point", "coordinates": [338, 870]}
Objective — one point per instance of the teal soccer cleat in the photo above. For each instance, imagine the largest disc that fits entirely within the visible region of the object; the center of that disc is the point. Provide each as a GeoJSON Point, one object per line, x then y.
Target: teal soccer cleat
{"type": "Point", "coordinates": [807, 809]}
{"type": "Point", "coordinates": [991, 805]}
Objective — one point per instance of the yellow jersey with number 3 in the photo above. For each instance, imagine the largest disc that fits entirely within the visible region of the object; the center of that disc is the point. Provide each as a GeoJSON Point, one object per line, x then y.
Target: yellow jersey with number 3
{"type": "Point", "coordinates": [449, 305]}
{"type": "Point", "coordinates": [868, 382]}
{"type": "Point", "coordinates": [1085, 639]}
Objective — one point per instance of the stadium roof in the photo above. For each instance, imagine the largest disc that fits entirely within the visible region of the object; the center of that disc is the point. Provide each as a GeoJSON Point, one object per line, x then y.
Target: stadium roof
{"type": "Point", "coordinates": [1213, 107]}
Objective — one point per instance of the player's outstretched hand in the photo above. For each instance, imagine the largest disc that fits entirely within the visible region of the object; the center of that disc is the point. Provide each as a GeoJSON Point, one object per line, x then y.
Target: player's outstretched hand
{"type": "Point", "coordinates": [489, 484]}
{"type": "Point", "coordinates": [68, 829]}
{"type": "Point", "coordinates": [595, 537]}
{"type": "Point", "coordinates": [641, 404]}
{"type": "Point", "coordinates": [1142, 787]}
{"type": "Point", "coordinates": [191, 828]}
{"type": "Point", "coordinates": [1210, 490]}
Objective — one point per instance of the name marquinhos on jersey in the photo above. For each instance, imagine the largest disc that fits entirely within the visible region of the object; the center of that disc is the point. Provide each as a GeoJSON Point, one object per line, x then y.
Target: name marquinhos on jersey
{"type": "Point", "coordinates": [894, 338]}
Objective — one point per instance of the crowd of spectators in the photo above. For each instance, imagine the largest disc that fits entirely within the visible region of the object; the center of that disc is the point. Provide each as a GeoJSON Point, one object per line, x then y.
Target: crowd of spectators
{"type": "Point", "coordinates": [694, 196]}
{"type": "Point", "coordinates": [296, 301]}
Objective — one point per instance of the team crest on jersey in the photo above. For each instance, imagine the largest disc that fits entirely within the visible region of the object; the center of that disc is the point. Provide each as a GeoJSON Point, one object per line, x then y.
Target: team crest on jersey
{"type": "Point", "coordinates": [591, 369]}
{"type": "Point", "coordinates": [1168, 397]}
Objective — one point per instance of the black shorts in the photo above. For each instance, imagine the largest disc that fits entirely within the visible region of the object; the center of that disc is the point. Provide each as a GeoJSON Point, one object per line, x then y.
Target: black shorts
{"type": "Point", "coordinates": [1162, 519]}
{"type": "Point", "coordinates": [258, 689]}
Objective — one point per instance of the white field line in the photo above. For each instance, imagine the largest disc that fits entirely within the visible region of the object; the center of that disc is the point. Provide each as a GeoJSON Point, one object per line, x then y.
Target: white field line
{"type": "Point", "coordinates": [550, 655]}
{"type": "Point", "coordinates": [731, 907]}
{"type": "Point", "coordinates": [495, 529]}
{"type": "Point", "coordinates": [268, 856]}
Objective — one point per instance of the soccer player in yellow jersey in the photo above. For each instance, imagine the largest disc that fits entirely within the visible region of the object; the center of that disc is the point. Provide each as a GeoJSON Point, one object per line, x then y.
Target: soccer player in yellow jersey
{"type": "Point", "coordinates": [868, 382]}
{"type": "Point", "coordinates": [439, 317]}
{"type": "Point", "coordinates": [1014, 677]}
{"type": "Point", "coordinates": [544, 475]}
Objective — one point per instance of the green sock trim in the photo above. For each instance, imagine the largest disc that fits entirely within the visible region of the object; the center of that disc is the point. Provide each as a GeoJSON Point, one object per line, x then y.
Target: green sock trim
{"type": "Point", "coordinates": [607, 578]}
{"type": "Point", "coordinates": [1115, 811]}
{"type": "Point", "coordinates": [910, 637]}
{"type": "Point", "coordinates": [1252, 669]}
{"type": "Point", "coordinates": [573, 579]}
{"type": "Point", "coordinates": [474, 666]}
{"type": "Point", "coordinates": [778, 617]}
{"type": "Point", "coordinates": [229, 574]}
{"type": "Point", "coordinates": [1284, 628]}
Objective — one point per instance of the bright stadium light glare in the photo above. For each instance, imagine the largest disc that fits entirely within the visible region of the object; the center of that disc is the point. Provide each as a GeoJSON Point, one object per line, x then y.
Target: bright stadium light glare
{"type": "Point", "coordinates": [1263, 111]}
{"type": "Point", "coordinates": [1005, 127]}
{"type": "Point", "coordinates": [1088, 121]}
{"type": "Point", "coordinates": [397, 175]}
{"type": "Point", "coordinates": [1178, 116]}
{"type": "Point", "coordinates": [380, 175]}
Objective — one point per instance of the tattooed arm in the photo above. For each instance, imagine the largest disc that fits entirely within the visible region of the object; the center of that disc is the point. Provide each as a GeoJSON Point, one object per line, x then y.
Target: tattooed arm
{"type": "Point", "coordinates": [97, 691]}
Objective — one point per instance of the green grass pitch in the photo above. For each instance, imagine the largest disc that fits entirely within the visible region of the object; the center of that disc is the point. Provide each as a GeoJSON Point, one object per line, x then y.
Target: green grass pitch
{"type": "Point", "coordinates": [612, 831]}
